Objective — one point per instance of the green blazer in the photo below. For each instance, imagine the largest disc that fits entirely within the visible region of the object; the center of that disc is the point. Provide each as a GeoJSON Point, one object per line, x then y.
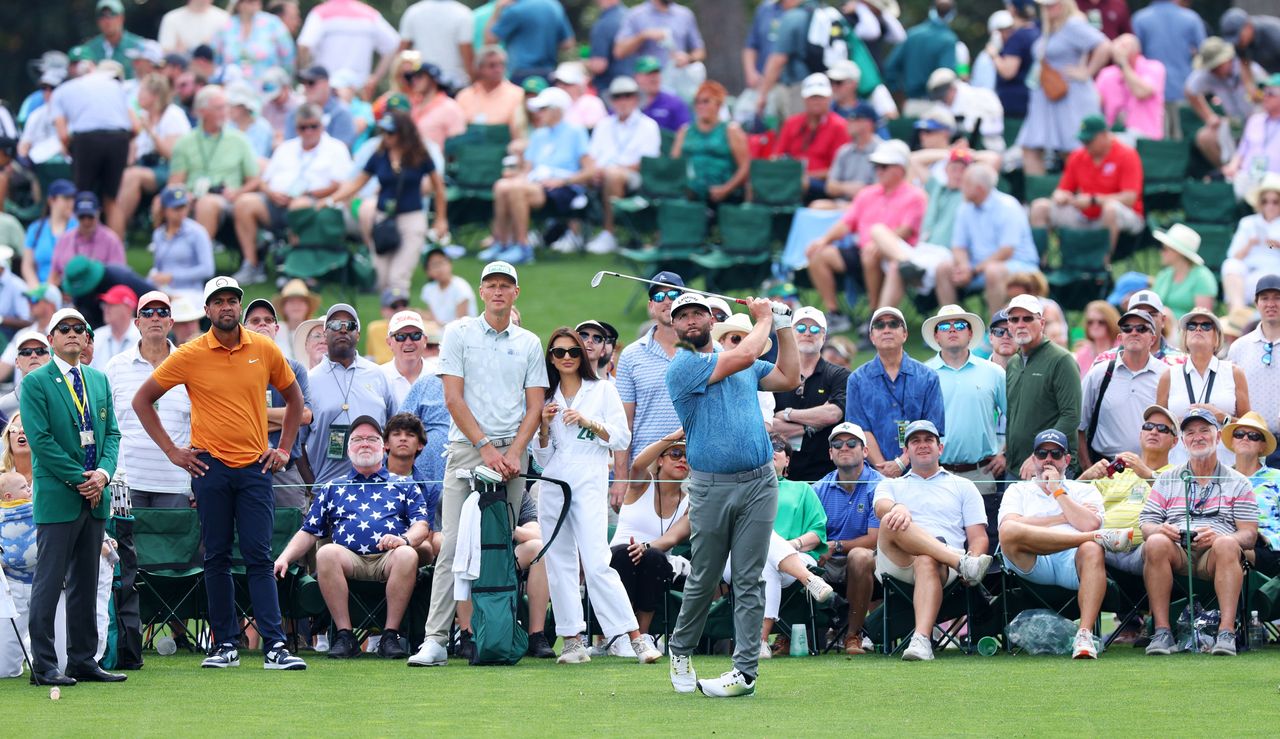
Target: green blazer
{"type": "Point", "coordinates": [51, 423]}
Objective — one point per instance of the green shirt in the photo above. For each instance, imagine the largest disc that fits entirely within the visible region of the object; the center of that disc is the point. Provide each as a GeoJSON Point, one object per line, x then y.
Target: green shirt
{"type": "Point", "coordinates": [929, 45]}
{"type": "Point", "coordinates": [1044, 392]}
{"type": "Point", "coordinates": [799, 512]}
{"type": "Point", "coordinates": [224, 159]}
{"type": "Point", "coordinates": [97, 49]}
{"type": "Point", "coordinates": [1180, 297]}
{"type": "Point", "coordinates": [941, 213]}
{"type": "Point", "coordinates": [11, 233]}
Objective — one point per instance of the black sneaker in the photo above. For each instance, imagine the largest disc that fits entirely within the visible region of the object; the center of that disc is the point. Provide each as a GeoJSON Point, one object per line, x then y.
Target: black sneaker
{"type": "Point", "coordinates": [344, 645]}
{"type": "Point", "coordinates": [278, 658]}
{"type": "Point", "coordinates": [390, 646]}
{"type": "Point", "coordinates": [538, 646]}
{"type": "Point", "coordinates": [222, 655]}
{"type": "Point", "coordinates": [466, 646]}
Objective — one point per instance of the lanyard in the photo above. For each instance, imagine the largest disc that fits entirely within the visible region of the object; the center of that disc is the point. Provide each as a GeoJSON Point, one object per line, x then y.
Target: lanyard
{"type": "Point", "coordinates": [901, 402]}
{"type": "Point", "coordinates": [80, 405]}
{"type": "Point", "coordinates": [1208, 387]}
{"type": "Point", "coordinates": [207, 156]}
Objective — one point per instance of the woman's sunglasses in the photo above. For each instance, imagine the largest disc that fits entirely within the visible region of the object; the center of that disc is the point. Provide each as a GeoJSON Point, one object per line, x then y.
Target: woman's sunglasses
{"type": "Point", "coordinates": [560, 352]}
{"type": "Point", "coordinates": [677, 454]}
{"type": "Point", "coordinates": [1250, 435]}
{"type": "Point", "coordinates": [1200, 326]}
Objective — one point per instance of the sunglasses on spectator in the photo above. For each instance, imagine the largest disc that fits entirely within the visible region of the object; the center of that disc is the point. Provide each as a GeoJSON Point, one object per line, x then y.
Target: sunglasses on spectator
{"type": "Point", "coordinates": [779, 446]}
{"type": "Point", "coordinates": [668, 295]}
{"type": "Point", "coordinates": [1200, 326]}
{"type": "Point", "coordinates": [1057, 454]}
{"type": "Point", "coordinates": [1250, 435]}
{"type": "Point", "coordinates": [622, 95]}
{"type": "Point", "coordinates": [1022, 319]}
{"type": "Point", "coordinates": [949, 325]}
{"type": "Point", "coordinates": [35, 351]}
{"type": "Point", "coordinates": [844, 444]}
{"type": "Point", "coordinates": [308, 126]}
{"type": "Point", "coordinates": [999, 332]}
{"type": "Point", "coordinates": [591, 338]}
{"type": "Point", "coordinates": [1162, 428]}
{"type": "Point", "coordinates": [892, 325]}
{"type": "Point", "coordinates": [675, 453]}
{"type": "Point", "coordinates": [66, 328]}
{"type": "Point", "coordinates": [719, 315]}
{"type": "Point", "coordinates": [812, 328]}
{"type": "Point", "coordinates": [1271, 201]}
{"type": "Point", "coordinates": [560, 352]}
{"type": "Point", "coordinates": [1266, 352]}
{"type": "Point", "coordinates": [339, 325]}
{"type": "Point", "coordinates": [411, 336]}
{"type": "Point", "coordinates": [1129, 328]}
{"type": "Point", "coordinates": [155, 312]}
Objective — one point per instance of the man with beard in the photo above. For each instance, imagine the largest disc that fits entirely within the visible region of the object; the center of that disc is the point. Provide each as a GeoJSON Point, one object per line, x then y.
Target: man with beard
{"type": "Point", "coordinates": [1224, 522]}
{"type": "Point", "coordinates": [289, 484]}
{"type": "Point", "coordinates": [226, 373]}
{"type": "Point", "coordinates": [733, 489]}
{"type": "Point", "coordinates": [376, 527]}
{"type": "Point", "coordinates": [347, 386]}
{"type": "Point", "coordinates": [600, 339]}
{"type": "Point", "coordinates": [1043, 386]}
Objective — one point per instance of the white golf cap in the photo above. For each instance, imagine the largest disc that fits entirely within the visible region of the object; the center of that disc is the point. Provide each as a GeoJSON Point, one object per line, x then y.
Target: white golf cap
{"type": "Point", "coordinates": [552, 97]}
{"type": "Point", "coordinates": [571, 73]}
{"type": "Point", "coordinates": [219, 284]}
{"type": "Point", "coordinates": [720, 304]}
{"type": "Point", "coordinates": [999, 20]}
{"type": "Point", "coordinates": [810, 313]}
{"type": "Point", "coordinates": [816, 85]}
{"type": "Point", "coordinates": [843, 71]}
{"type": "Point", "coordinates": [892, 152]}
{"type": "Point", "coordinates": [67, 314]}
{"type": "Point", "coordinates": [623, 85]}
{"type": "Point", "coordinates": [848, 427]}
{"type": "Point", "coordinates": [29, 335]}
{"type": "Point", "coordinates": [6, 255]}
{"type": "Point", "coordinates": [406, 319]}
{"type": "Point", "coordinates": [888, 310]}
{"type": "Point", "coordinates": [687, 299]}
{"type": "Point", "coordinates": [941, 77]}
{"type": "Point", "coordinates": [1027, 302]}
{"type": "Point", "coordinates": [499, 268]}
{"type": "Point", "coordinates": [1146, 297]}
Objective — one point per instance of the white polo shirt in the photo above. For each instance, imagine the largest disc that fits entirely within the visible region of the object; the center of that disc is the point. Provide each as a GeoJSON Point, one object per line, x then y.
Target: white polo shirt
{"type": "Point", "coordinates": [147, 467]}
{"type": "Point", "coordinates": [496, 367]}
{"type": "Point", "coordinates": [295, 171]}
{"type": "Point", "coordinates": [942, 505]}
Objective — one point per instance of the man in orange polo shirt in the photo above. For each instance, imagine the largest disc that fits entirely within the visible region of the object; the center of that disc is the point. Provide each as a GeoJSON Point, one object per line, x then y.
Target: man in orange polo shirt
{"type": "Point", "coordinates": [1101, 186]}
{"type": "Point", "coordinates": [226, 373]}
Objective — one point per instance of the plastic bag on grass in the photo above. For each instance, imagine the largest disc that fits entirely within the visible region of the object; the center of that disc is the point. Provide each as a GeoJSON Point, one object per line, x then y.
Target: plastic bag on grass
{"type": "Point", "coordinates": [1041, 631]}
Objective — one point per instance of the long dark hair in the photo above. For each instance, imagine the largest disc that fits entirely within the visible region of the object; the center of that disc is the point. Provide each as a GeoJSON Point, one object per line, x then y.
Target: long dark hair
{"type": "Point", "coordinates": [412, 151]}
{"type": "Point", "coordinates": [585, 371]}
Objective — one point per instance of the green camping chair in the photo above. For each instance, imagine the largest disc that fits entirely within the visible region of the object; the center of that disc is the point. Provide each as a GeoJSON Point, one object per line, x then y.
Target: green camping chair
{"type": "Point", "coordinates": [471, 171]}
{"type": "Point", "coordinates": [1039, 186]}
{"type": "Point", "coordinates": [682, 232]}
{"type": "Point", "coordinates": [170, 578]}
{"type": "Point", "coordinates": [741, 259]}
{"type": "Point", "coordinates": [1083, 275]}
{"type": "Point", "coordinates": [661, 178]}
{"type": "Point", "coordinates": [894, 619]}
{"type": "Point", "coordinates": [1164, 168]}
{"type": "Point", "coordinates": [777, 185]}
{"type": "Point", "coordinates": [1209, 202]}
{"type": "Point", "coordinates": [319, 251]}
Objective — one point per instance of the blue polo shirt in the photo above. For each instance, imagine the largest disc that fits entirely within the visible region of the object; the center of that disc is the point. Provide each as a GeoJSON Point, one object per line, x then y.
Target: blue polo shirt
{"type": "Point", "coordinates": [999, 221]}
{"type": "Point", "coordinates": [885, 407]}
{"type": "Point", "coordinates": [763, 36]}
{"type": "Point", "coordinates": [722, 423]}
{"type": "Point", "coordinates": [357, 511]}
{"type": "Point", "coordinates": [975, 393]}
{"type": "Point", "coordinates": [642, 380]}
{"type": "Point", "coordinates": [849, 515]}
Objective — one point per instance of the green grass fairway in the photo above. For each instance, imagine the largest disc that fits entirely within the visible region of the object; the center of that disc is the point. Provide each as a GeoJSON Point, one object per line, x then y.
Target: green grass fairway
{"type": "Point", "coordinates": [1123, 694]}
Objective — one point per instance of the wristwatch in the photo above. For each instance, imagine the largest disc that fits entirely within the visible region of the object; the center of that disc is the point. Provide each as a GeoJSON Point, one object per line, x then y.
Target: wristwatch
{"type": "Point", "coordinates": [839, 548]}
{"type": "Point", "coordinates": [786, 415]}
{"type": "Point", "coordinates": [482, 442]}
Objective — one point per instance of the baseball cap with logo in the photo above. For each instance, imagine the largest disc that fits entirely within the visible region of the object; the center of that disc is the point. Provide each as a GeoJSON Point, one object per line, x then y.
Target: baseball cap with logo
{"type": "Point", "coordinates": [499, 268]}
{"type": "Point", "coordinates": [848, 427]}
{"type": "Point", "coordinates": [816, 85]}
{"type": "Point", "coordinates": [1202, 414]}
{"type": "Point", "coordinates": [221, 284]}
{"type": "Point", "coordinates": [666, 278]}
{"type": "Point", "coordinates": [405, 319]}
{"type": "Point", "coordinates": [811, 314]}
{"type": "Point", "coordinates": [1051, 436]}
{"type": "Point", "coordinates": [689, 299]}
{"type": "Point", "coordinates": [1146, 297]}
{"type": "Point", "coordinates": [86, 204]}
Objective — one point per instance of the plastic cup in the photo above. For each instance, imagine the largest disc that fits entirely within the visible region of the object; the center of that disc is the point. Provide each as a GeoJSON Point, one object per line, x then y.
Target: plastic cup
{"type": "Point", "coordinates": [988, 646]}
{"type": "Point", "coordinates": [799, 641]}
{"type": "Point", "coordinates": [166, 646]}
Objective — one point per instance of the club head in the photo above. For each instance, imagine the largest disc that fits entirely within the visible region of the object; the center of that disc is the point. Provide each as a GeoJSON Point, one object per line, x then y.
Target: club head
{"type": "Point", "coordinates": [595, 281]}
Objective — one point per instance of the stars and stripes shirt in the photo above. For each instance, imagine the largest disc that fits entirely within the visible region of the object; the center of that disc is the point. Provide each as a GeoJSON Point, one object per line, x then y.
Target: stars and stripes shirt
{"type": "Point", "coordinates": [356, 511]}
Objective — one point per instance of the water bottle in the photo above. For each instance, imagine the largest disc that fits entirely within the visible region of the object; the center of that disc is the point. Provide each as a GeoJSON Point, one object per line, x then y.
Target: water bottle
{"type": "Point", "coordinates": [1257, 632]}
{"type": "Point", "coordinates": [799, 641]}
{"type": "Point", "coordinates": [166, 646]}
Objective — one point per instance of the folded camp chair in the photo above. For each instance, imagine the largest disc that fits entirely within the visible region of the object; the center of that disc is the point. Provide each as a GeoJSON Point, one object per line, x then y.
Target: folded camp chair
{"type": "Point", "coordinates": [170, 577]}
{"type": "Point", "coordinates": [777, 185]}
{"type": "Point", "coordinates": [287, 523]}
{"type": "Point", "coordinates": [319, 251]}
{"type": "Point", "coordinates": [895, 618]}
{"type": "Point", "coordinates": [682, 232]}
{"type": "Point", "coordinates": [1083, 275]}
{"type": "Point", "coordinates": [1018, 594]}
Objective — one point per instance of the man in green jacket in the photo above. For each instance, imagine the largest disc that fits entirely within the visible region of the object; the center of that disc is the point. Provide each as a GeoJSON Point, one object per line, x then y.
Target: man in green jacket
{"type": "Point", "coordinates": [1043, 388]}
{"type": "Point", "coordinates": [113, 42]}
{"type": "Point", "coordinates": [70, 424]}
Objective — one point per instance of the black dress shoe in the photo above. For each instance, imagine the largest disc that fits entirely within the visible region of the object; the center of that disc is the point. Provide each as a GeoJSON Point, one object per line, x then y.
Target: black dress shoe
{"type": "Point", "coordinates": [96, 674]}
{"type": "Point", "coordinates": [51, 678]}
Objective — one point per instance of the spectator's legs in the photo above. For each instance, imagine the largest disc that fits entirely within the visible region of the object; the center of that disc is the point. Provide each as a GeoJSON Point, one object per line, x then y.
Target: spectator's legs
{"type": "Point", "coordinates": [1092, 571]}
{"type": "Point", "coordinates": [823, 269]}
{"type": "Point", "coordinates": [1228, 578]}
{"type": "Point", "coordinates": [1207, 143]}
{"type": "Point", "coordinates": [365, 217]}
{"type": "Point", "coordinates": [1111, 220]}
{"type": "Point", "coordinates": [860, 572]}
{"type": "Point", "coordinates": [926, 599]}
{"type": "Point", "coordinates": [1033, 161]}
{"type": "Point", "coordinates": [1021, 542]}
{"type": "Point", "coordinates": [948, 288]}
{"type": "Point", "coordinates": [589, 515]}
{"type": "Point", "coordinates": [250, 214]}
{"type": "Point", "coordinates": [614, 186]}
{"type": "Point", "coordinates": [872, 274]}
{"type": "Point", "coordinates": [333, 569]}
{"type": "Point", "coordinates": [538, 588]}
{"type": "Point", "coordinates": [902, 546]}
{"type": "Point", "coordinates": [502, 231]}
{"type": "Point", "coordinates": [402, 575]}
{"type": "Point", "coordinates": [525, 197]}
{"type": "Point", "coordinates": [893, 251]}
{"type": "Point", "coordinates": [1161, 558]}
{"type": "Point", "coordinates": [1040, 210]}
{"type": "Point", "coordinates": [1234, 272]}
{"type": "Point", "coordinates": [208, 213]}
{"type": "Point", "coordinates": [136, 182]}
{"type": "Point", "coordinates": [996, 273]}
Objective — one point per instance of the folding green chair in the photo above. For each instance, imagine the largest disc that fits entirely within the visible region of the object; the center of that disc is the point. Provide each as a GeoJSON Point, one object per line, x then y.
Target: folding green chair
{"type": "Point", "coordinates": [1035, 187]}
{"type": "Point", "coordinates": [319, 250]}
{"type": "Point", "coordinates": [1083, 275]}
{"type": "Point", "coordinates": [1012, 126]}
{"type": "Point", "coordinates": [902, 128]}
{"type": "Point", "coordinates": [287, 522]}
{"type": "Point", "coordinates": [682, 232]}
{"type": "Point", "coordinates": [741, 259]}
{"type": "Point", "coordinates": [477, 134]}
{"type": "Point", "coordinates": [470, 173]}
{"type": "Point", "coordinates": [1209, 202]}
{"type": "Point", "coordinates": [777, 185]}
{"type": "Point", "coordinates": [170, 578]}
{"type": "Point", "coordinates": [1164, 169]}
{"type": "Point", "coordinates": [661, 178]}
{"type": "Point", "coordinates": [1215, 241]}
{"type": "Point", "coordinates": [797, 606]}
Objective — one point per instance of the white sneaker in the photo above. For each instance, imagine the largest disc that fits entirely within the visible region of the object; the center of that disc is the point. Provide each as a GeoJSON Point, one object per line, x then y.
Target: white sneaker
{"type": "Point", "coordinates": [919, 650]}
{"type": "Point", "coordinates": [683, 678]}
{"type": "Point", "coordinates": [973, 569]}
{"type": "Point", "coordinates": [766, 652]}
{"type": "Point", "coordinates": [621, 647]}
{"type": "Point", "coordinates": [1084, 648]}
{"type": "Point", "coordinates": [573, 652]}
{"type": "Point", "coordinates": [603, 243]}
{"type": "Point", "coordinates": [322, 642]}
{"type": "Point", "coordinates": [570, 243]}
{"type": "Point", "coordinates": [430, 654]}
{"type": "Point", "coordinates": [729, 685]}
{"type": "Point", "coordinates": [646, 653]}
{"type": "Point", "coordinates": [1115, 540]}
{"type": "Point", "coordinates": [818, 589]}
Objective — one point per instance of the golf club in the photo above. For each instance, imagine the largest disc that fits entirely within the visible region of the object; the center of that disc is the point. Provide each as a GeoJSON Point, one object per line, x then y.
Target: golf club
{"type": "Point", "coordinates": [778, 308]}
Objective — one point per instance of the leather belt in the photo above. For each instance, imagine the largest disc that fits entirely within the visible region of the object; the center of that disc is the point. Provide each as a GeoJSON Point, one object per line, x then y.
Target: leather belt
{"type": "Point", "coordinates": [957, 468]}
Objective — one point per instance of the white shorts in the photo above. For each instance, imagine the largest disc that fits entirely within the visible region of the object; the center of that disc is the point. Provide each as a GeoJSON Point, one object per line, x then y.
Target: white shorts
{"type": "Point", "coordinates": [927, 257]}
{"type": "Point", "coordinates": [1069, 216]}
{"type": "Point", "coordinates": [886, 566]}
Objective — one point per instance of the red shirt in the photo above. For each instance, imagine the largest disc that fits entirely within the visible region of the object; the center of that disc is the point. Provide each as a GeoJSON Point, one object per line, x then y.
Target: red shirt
{"type": "Point", "coordinates": [816, 146]}
{"type": "Point", "coordinates": [1120, 171]}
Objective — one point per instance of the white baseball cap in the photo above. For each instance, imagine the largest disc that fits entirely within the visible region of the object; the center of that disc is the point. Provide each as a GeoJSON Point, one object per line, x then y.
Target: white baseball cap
{"type": "Point", "coordinates": [1027, 302]}
{"type": "Point", "coordinates": [848, 427]}
{"type": "Point", "coordinates": [499, 268]}
{"type": "Point", "coordinates": [816, 85]}
{"type": "Point", "coordinates": [552, 97]}
{"type": "Point", "coordinates": [65, 314]}
{"type": "Point", "coordinates": [403, 319]}
{"type": "Point", "coordinates": [687, 299]}
{"type": "Point", "coordinates": [721, 304]}
{"type": "Point", "coordinates": [218, 284]}
{"type": "Point", "coordinates": [812, 314]}
{"type": "Point", "coordinates": [890, 311]}
{"type": "Point", "coordinates": [891, 152]}
{"type": "Point", "coordinates": [30, 335]}
{"type": "Point", "coordinates": [1146, 297]}
{"type": "Point", "coordinates": [571, 73]}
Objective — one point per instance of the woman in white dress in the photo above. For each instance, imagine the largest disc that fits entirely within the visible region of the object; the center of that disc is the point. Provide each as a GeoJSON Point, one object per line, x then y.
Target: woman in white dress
{"type": "Point", "coordinates": [1204, 381]}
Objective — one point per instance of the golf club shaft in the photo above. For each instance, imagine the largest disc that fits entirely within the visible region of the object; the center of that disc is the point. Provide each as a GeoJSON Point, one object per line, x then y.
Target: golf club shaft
{"type": "Point", "coordinates": [777, 307]}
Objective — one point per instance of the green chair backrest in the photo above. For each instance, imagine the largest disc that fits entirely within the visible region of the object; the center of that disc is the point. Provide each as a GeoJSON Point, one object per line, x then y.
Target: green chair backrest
{"type": "Point", "coordinates": [1012, 126]}
{"type": "Point", "coordinates": [1209, 202]}
{"type": "Point", "coordinates": [668, 140]}
{"type": "Point", "coordinates": [778, 182]}
{"type": "Point", "coordinates": [317, 227]}
{"type": "Point", "coordinates": [1163, 161]}
{"type": "Point", "coordinates": [682, 223]}
{"type": "Point", "coordinates": [663, 177]}
{"type": "Point", "coordinates": [478, 134]}
{"type": "Point", "coordinates": [1215, 240]}
{"type": "Point", "coordinates": [1084, 249]}
{"type": "Point", "coordinates": [287, 523]}
{"type": "Point", "coordinates": [745, 229]}
{"type": "Point", "coordinates": [902, 128]}
{"type": "Point", "coordinates": [166, 538]}
{"type": "Point", "coordinates": [478, 166]}
{"type": "Point", "coordinates": [1039, 186]}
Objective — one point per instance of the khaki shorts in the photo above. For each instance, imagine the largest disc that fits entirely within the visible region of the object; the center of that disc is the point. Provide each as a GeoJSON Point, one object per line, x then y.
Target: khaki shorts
{"type": "Point", "coordinates": [371, 567]}
{"type": "Point", "coordinates": [1069, 216]}
{"type": "Point", "coordinates": [886, 566]}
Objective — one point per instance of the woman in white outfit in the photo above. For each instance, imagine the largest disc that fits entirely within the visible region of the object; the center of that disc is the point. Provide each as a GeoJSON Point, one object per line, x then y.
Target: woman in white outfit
{"type": "Point", "coordinates": [1204, 381]}
{"type": "Point", "coordinates": [583, 423]}
{"type": "Point", "coordinates": [1255, 248]}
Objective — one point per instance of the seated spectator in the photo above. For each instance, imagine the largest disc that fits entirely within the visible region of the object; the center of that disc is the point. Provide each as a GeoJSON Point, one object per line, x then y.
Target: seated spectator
{"type": "Point", "coordinates": [216, 163]}
{"type": "Point", "coordinates": [990, 241]}
{"type": "Point", "coordinates": [846, 494]}
{"type": "Point", "coordinates": [1185, 282]}
{"type": "Point", "coordinates": [587, 110]}
{"type": "Point", "coordinates": [438, 116]}
{"type": "Point", "coordinates": [929, 517]}
{"type": "Point", "coordinates": [1101, 333]}
{"type": "Point", "coordinates": [162, 123]}
{"type": "Point", "coordinates": [1252, 442]}
{"type": "Point", "coordinates": [1101, 186]}
{"type": "Point", "coordinates": [618, 143]}
{"type": "Point", "coordinates": [936, 130]}
{"type": "Point", "coordinates": [1255, 248]}
{"type": "Point", "coordinates": [318, 91]}
{"type": "Point", "coordinates": [243, 117]}
{"type": "Point", "coordinates": [852, 169]}
{"type": "Point", "coordinates": [492, 100]}
{"type": "Point", "coordinates": [304, 170]}
{"type": "Point", "coordinates": [1203, 381]}
{"type": "Point", "coordinates": [1258, 154]}
{"type": "Point", "coordinates": [669, 111]}
{"type": "Point", "coordinates": [447, 296]}
{"type": "Point", "coordinates": [1114, 394]}
{"type": "Point", "coordinates": [893, 202]}
{"type": "Point", "coordinates": [278, 101]}
{"type": "Point", "coordinates": [30, 352]}
{"type": "Point", "coordinates": [845, 77]}
{"type": "Point", "coordinates": [555, 169]}
{"type": "Point", "coordinates": [380, 543]}
{"type": "Point", "coordinates": [39, 141]}
{"type": "Point", "coordinates": [975, 109]}
{"type": "Point", "coordinates": [1222, 524]}
{"type": "Point", "coordinates": [814, 135]}
{"type": "Point", "coordinates": [1051, 534]}
{"type": "Point", "coordinates": [716, 150]}
{"type": "Point", "coordinates": [183, 252]}
{"type": "Point", "coordinates": [1222, 78]}
{"type": "Point", "coordinates": [43, 233]}
{"type": "Point", "coordinates": [89, 238]}
{"type": "Point", "coordinates": [1132, 91]}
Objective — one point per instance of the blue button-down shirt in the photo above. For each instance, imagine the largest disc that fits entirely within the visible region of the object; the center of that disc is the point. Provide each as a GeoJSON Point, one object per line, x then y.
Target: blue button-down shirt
{"type": "Point", "coordinates": [1170, 34]}
{"type": "Point", "coordinates": [999, 221]}
{"type": "Point", "coordinates": [426, 401]}
{"type": "Point", "coordinates": [642, 380]}
{"type": "Point", "coordinates": [975, 393]}
{"type": "Point", "coordinates": [357, 511]}
{"type": "Point", "coordinates": [849, 515]}
{"type": "Point", "coordinates": [275, 399]}
{"type": "Point", "coordinates": [883, 407]}
{"type": "Point", "coordinates": [363, 389]}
